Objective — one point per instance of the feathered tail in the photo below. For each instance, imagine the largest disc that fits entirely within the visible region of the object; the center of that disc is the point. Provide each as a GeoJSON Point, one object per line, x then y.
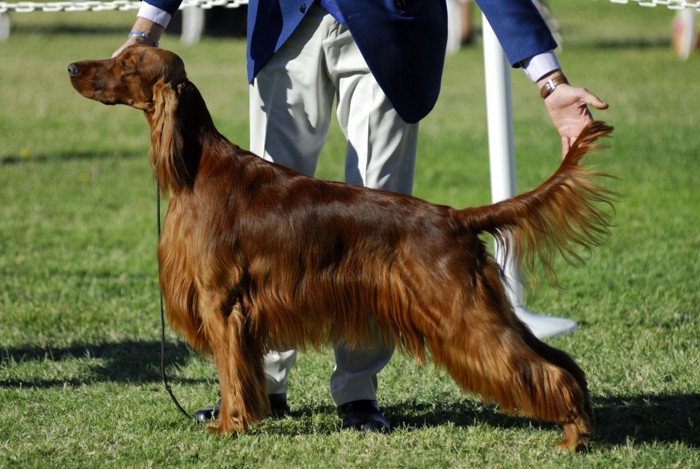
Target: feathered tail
{"type": "Point", "coordinates": [561, 216]}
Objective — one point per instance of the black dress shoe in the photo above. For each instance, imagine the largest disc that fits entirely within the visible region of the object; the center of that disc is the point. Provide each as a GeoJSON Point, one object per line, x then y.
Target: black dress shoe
{"type": "Point", "coordinates": [363, 416]}
{"type": "Point", "coordinates": [278, 403]}
{"type": "Point", "coordinates": [208, 413]}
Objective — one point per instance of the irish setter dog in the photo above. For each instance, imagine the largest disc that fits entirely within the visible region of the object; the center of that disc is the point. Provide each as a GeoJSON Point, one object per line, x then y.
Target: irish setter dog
{"type": "Point", "coordinates": [255, 257]}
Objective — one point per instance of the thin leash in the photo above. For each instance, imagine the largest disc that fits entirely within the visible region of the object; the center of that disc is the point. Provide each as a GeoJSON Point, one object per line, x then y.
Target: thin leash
{"type": "Point", "coordinates": [162, 323]}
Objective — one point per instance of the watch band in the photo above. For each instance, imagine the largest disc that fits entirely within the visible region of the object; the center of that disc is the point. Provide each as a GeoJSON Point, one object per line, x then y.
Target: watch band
{"type": "Point", "coordinates": [141, 34]}
{"type": "Point", "coordinates": [551, 84]}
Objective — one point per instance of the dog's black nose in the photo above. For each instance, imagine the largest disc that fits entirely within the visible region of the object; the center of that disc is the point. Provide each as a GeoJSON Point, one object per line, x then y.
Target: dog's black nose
{"type": "Point", "coordinates": [73, 70]}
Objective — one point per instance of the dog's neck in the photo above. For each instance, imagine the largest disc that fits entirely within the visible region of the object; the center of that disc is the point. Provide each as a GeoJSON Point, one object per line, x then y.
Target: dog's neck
{"type": "Point", "coordinates": [179, 140]}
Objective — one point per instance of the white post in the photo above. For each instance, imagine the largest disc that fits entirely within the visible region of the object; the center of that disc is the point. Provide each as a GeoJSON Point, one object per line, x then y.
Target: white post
{"type": "Point", "coordinates": [192, 25]}
{"type": "Point", "coordinates": [503, 177]}
{"type": "Point", "coordinates": [4, 26]}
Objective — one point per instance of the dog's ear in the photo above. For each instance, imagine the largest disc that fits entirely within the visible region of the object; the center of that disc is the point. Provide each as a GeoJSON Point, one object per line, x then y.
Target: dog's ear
{"type": "Point", "coordinates": [166, 138]}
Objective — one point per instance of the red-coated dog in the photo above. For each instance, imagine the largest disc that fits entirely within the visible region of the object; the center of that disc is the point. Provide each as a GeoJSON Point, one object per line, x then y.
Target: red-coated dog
{"type": "Point", "coordinates": [255, 257]}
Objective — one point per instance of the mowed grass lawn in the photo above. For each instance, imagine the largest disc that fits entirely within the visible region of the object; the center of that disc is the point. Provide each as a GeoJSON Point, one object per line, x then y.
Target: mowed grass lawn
{"type": "Point", "coordinates": [79, 326]}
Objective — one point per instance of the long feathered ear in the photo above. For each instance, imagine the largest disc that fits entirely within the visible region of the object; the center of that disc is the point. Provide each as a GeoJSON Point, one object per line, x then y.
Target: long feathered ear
{"type": "Point", "coordinates": [167, 155]}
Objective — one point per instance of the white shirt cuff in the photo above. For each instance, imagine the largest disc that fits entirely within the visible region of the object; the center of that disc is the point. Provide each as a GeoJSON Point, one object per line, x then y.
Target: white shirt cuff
{"type": "Point", "coordinates": [154, 14]}
{"type": "Point", "coordinates": [540, 65]}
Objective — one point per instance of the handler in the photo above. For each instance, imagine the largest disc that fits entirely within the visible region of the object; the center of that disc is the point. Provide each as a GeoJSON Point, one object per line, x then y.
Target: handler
{"type": "Point", "coordinates": [381, 61]}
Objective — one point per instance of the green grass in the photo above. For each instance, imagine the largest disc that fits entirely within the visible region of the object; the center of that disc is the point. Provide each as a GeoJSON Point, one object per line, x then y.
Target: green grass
{"type": "Point", "coordinates": [79, 326]}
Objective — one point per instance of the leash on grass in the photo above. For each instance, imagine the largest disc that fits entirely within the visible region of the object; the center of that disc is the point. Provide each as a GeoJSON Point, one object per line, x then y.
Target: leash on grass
{"type": "Point", "coordinates": [162, 322]}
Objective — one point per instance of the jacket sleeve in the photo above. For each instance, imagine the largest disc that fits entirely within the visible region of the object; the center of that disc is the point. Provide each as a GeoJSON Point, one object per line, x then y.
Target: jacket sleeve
{"type": "Point", "coordinates": [169, 6]}
{"type": "Point", "coordinates": [519, 28]}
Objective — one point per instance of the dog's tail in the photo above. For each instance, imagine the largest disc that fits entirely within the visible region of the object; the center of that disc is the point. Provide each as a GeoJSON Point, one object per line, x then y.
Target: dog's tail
{"type": "Point", "coordinates": [565, 214]}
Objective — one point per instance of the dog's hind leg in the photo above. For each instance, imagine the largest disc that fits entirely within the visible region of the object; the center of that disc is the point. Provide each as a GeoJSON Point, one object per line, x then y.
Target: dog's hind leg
{"type": "Point", "coordinates": [239, 362]}
{"type": "Point", "coordinates": [481, 344]}
{"type": "Point", "coordinates": [562, 360]}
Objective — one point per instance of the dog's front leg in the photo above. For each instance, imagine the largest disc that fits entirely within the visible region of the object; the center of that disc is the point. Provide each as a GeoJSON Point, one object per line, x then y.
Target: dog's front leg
{"type": "Point", "coordinates": [239, 360]}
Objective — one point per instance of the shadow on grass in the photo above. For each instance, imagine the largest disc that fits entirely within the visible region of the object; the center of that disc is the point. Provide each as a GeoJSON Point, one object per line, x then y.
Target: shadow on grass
{"type": "Point", "coordinates": [633, 43]}
{"type": "Point", "coordinates": [7, 160]}
{"type": "Point", "coordinates": [664, 418]}
{"type": "Point", "coordinates": [636, 420]}
{"type": "Point", "coordinates": [73, 29]}
{"type": "Point", "coordinates": [126, 361]}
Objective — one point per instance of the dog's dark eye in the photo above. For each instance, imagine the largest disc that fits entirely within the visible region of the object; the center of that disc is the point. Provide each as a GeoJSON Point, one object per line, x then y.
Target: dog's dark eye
{"type": "Point", "coordinates": [123, 64]}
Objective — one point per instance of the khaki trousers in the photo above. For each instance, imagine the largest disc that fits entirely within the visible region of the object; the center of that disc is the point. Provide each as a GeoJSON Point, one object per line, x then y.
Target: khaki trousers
{"type": "Point", "coordinates": [291, 103]}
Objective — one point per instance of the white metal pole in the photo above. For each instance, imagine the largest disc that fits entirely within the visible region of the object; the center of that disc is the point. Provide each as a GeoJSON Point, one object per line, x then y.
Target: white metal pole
{"type": "Point", "coordinates": [192, 25]}
{"type": "Point", "coordinates": [503, 177]}
{"type": "Point", "coordinates": [4, 26]}
{"type": "Point", "coordinates": [501, 143]}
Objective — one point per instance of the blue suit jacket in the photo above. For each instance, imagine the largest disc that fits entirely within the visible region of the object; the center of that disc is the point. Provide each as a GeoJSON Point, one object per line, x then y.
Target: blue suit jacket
{"type": "Point", "coordinates": [402, 41]}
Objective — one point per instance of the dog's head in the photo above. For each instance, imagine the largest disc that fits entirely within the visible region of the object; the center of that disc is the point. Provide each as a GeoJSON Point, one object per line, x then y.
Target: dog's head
{"type": "Point", "coordinates": [154, 81]}
{"type": "Point", "coordinates": [135, 77]}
